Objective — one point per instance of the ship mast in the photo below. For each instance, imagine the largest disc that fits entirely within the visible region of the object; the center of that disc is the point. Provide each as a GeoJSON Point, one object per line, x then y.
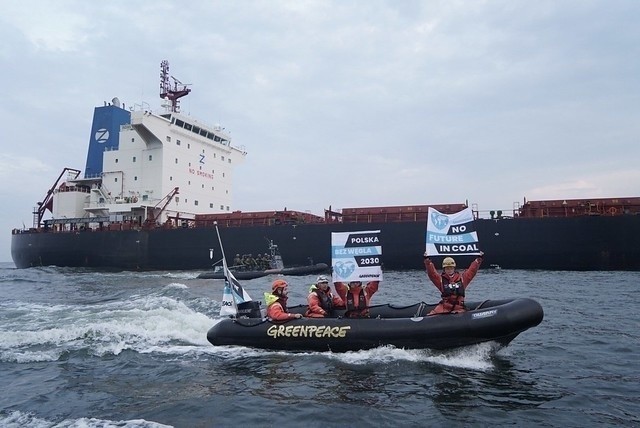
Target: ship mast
{"type": "Point", "coordinates": [178, 91]}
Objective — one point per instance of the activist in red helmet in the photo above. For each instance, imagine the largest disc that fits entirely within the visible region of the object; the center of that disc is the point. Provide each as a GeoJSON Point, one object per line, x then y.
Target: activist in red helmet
{"type": "Point", "coordinates": [277, 302]}
{"type": "Point", "coordinates": [451, 283]}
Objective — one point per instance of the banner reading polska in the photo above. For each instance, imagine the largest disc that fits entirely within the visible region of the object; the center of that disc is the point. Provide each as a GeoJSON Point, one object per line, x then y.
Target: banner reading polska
{"type": "Point", "coordinates": [451, 234]}
{"type": "Point", "coordinates": [356, 256]}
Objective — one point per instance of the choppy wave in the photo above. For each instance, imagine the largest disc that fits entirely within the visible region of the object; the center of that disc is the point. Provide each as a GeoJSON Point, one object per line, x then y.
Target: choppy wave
{"type": "Point", "coordinates": [36, 332]}
{"type": "Point", "coordinates": [20, 420]}
{"type": "Point", "coordinates": [81, 348]}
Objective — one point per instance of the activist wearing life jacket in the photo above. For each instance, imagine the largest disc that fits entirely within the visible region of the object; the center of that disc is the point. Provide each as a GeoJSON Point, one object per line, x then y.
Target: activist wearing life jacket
{"type": "Point", "coordinates": [277, 302]}
{"type": "Point", "coordinates": [320, 299]}
{"type": "Point", "coordinates": [356, 298]}
{"type": "Point", "coordinates": [451, 283]}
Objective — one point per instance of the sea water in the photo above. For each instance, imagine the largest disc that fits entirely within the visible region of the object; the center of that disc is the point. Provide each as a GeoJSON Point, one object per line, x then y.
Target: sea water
{"type": "Point", "coordinates": [83, 348]}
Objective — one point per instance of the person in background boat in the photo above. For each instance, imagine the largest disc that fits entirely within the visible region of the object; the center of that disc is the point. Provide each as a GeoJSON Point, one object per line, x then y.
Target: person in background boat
{"type": "Point", "coordinates": [277, 302]}
{"type": "Point", "coordinates": [237, 261]}
{"type": "Point", "coordinates": [451, 283]}
{"type": "Point", "coordinates": [320, 299]}
{"type": "Point", "coordinates": [356, 298]}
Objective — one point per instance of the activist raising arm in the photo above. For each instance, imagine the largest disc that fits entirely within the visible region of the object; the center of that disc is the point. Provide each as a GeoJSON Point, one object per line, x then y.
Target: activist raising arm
{"type": "Point", "coordinates": [451, 283]}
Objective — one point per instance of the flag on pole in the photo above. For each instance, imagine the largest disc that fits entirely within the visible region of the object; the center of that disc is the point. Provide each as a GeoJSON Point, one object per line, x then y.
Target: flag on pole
{"type": "Point", "coordinates": [451, 234]}
{"type": "Point", "coordinates": [233, 293]}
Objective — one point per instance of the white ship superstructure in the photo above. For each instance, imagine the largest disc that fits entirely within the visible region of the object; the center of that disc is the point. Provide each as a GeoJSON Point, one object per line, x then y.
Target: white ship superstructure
{"type": "Point", "coordinates": [146, 169]}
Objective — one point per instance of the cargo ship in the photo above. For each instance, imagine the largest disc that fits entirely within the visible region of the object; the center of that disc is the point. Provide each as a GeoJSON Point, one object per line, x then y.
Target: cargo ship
{"type": "Point", "coordinates": [157, 185]}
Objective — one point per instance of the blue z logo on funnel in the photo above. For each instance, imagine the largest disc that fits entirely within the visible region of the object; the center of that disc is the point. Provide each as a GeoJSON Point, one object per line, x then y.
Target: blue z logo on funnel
{"type": "Point", "coordinates": [344, 269]}
{"type": "Point", "coordinates": [439, 221]}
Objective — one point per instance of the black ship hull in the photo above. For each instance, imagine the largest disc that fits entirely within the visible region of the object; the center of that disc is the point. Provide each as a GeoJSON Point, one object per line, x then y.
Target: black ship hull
{"type": "Point", "coordinates": [578, 243]}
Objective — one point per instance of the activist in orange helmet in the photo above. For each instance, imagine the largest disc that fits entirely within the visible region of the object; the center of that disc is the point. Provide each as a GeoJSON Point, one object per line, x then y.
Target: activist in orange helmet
{"type": "Point", "coordinates": [277, 302]}
{"type": "Point", "coordinates": [451, 283]}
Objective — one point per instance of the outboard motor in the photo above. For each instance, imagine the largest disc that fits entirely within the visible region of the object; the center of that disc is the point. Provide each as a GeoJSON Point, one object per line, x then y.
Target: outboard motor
{"type": "Point", "coordinates": [250, 309]}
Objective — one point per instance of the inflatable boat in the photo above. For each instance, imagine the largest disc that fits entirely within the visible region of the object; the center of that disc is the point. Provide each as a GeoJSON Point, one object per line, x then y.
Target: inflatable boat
{"type": "Point", "coordinates": [252, 274]}
{"type": "Point", "coordinates": [406, 327]}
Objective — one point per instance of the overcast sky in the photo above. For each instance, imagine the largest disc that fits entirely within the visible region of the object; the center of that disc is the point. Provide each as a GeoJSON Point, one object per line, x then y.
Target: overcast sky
{"type": "Point", "coordinates": [341, 103]}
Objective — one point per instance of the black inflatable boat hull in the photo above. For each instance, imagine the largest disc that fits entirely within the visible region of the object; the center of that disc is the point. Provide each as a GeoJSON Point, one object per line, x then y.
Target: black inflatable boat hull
{"type": "Point", "coordinates": [407, 327]}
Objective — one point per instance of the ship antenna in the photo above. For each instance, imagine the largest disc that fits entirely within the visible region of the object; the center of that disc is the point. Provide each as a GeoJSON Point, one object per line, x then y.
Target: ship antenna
{"type": "Point", "coordinates": [178, 91]}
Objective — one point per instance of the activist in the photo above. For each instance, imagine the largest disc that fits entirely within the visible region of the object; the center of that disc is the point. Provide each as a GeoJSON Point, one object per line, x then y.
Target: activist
{"type": "Point", "coordinates": [356, 298]}
{"type": "Point", "coordinates": [451, 283]}
{"type": "Point", "coordinates": [320, 299]}
{"type": "Point", "coordinates": [277, 302]}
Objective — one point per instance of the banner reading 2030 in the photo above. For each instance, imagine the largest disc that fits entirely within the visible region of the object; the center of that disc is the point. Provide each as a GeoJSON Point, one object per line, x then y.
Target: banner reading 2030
{"type": "Point", "coordinates": [356, 256]}
{"type": "Point", "coordinates": [451, 234]}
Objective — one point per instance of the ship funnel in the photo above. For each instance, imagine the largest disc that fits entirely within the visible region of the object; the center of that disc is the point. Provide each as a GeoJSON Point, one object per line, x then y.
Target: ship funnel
{"type": "Point", "coordinates": [115, 101]}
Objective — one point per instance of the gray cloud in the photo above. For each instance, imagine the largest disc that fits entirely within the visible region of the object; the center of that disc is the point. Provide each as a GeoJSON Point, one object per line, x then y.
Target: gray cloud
{"type": "Point", "coordinates": [340, 103]}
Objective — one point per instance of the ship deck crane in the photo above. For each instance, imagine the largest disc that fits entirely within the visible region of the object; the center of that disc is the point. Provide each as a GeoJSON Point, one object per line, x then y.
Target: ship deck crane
{"type": "Point", "coordinates": [152, 215]}
{"type": "Point", "coordinates": [47, 201]}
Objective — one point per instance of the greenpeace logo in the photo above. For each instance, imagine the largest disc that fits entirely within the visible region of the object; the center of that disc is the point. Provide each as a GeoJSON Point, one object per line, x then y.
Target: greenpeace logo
{"type": "Point", "coordinates": [484, 314]}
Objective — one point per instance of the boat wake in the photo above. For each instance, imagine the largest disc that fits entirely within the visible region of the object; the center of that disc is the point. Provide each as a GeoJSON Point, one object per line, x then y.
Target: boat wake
{"type": "Point", "coordinates": [143, 324]}
{"type": "Point", "coordinates": [475, 357]}
{"type": "Point", "coordinates": [20, 419]}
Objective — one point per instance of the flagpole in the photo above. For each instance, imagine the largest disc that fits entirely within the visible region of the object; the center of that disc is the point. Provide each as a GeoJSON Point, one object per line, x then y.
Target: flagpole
{"type": "Point", "coordinates": [224, 260]}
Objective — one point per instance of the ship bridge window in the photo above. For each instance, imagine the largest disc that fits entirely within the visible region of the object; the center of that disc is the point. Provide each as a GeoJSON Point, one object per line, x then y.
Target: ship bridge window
{"type": "Point", "coordinates": [217, 139]}
{"type": "Point", "coordinates": [210, 135]}
{"type": "Point", "coordinates": [195, 130]}
{"type": "Point", "coordinates": [187, 126]}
